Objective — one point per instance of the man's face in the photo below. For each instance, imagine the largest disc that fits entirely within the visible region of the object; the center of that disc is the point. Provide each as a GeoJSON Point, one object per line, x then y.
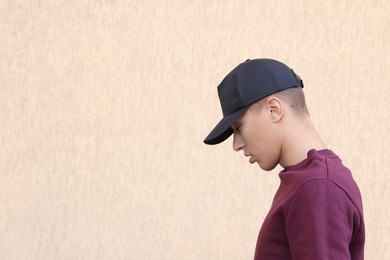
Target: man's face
{"type": "Point", "coordinates": [255, 134]}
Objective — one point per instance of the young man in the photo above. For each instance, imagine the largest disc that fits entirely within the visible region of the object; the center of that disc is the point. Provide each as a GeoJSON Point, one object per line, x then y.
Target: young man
{"type": "Point", "coordinates": [317, 211]}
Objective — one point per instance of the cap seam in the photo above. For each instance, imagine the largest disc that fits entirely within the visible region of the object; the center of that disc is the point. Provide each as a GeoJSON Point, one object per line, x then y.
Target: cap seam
{"type": "Point", "coordinates": [273, 77]}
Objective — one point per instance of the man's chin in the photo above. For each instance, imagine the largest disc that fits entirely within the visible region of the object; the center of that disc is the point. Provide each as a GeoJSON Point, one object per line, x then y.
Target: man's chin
{"type": "Point", "coordinates": [266, 168]}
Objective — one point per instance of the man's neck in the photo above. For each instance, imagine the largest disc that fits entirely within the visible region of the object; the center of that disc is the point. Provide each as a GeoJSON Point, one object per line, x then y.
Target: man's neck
{"type": "Point", "coordinates": [298, 142]}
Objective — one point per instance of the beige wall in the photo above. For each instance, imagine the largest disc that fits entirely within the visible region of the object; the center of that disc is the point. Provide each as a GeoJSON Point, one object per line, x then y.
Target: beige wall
{"type": "Point", "coordinates": [104, 105]}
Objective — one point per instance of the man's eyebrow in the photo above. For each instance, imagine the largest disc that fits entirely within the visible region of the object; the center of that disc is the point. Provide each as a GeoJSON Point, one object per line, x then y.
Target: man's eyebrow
{"type": "Point", "coordinates": [235, 124]}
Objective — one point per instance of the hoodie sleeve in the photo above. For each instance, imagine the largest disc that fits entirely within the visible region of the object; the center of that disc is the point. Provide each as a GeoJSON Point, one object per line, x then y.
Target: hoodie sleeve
{"type": "Point", "coordinates": [320, 222]}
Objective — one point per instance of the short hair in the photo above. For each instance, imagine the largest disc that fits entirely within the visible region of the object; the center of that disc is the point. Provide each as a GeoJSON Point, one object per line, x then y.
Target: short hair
{"type": "Point", "coordinates": [294, 97]}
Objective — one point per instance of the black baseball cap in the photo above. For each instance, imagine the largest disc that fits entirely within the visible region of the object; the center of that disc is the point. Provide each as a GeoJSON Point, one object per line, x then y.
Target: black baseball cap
{"type": "Point", "coordinates": [249, 82]}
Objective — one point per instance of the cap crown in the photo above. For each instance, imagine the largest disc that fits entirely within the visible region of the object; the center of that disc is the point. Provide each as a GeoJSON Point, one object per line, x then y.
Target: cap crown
{"type": "Point", "coordinates": [253, 80]}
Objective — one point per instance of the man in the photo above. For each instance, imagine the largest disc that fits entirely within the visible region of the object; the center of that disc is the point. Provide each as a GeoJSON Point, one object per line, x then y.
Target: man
{"type": "Point", "coordinates": [317, 211]}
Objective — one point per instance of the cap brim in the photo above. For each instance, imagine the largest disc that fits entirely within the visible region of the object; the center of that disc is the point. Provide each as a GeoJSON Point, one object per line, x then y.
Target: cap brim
{"type": "Point", "coordinates": [223, 129]}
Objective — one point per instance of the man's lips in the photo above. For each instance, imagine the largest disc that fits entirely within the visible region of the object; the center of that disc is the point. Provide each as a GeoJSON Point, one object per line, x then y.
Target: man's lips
{"type": "Point", "coordinates": [251, 159]}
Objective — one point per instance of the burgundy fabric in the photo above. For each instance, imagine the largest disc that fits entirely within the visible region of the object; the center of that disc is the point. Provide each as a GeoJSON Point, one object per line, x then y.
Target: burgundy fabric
{"type": "Point", "coordinates": [316, 213]}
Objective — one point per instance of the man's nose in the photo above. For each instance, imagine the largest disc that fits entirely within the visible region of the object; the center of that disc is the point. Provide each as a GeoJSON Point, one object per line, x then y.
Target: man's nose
{"type": "Point", "coordinates": [238, 143]}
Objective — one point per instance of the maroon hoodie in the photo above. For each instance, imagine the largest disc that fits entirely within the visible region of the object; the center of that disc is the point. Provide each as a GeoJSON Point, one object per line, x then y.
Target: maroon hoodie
{"type": "Point", "coordinates": [316, 213]}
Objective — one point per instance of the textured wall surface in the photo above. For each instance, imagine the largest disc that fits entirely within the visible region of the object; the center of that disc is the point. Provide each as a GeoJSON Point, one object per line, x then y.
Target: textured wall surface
{"type": "Point", "coordinates": [104, 105]}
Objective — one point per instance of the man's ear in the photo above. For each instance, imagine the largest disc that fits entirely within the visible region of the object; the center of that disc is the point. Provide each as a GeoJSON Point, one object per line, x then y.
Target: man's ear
{"type": "Point", "coordinates": [275, 108]}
